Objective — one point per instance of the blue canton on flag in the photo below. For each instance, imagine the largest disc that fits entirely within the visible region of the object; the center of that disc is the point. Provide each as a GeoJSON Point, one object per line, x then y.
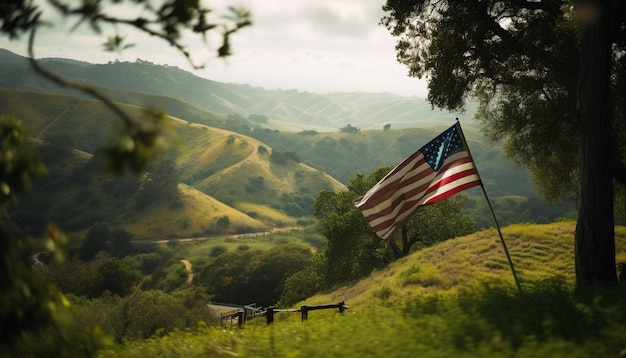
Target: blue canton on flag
{"type": "Point", "coordinates": [440, 148]}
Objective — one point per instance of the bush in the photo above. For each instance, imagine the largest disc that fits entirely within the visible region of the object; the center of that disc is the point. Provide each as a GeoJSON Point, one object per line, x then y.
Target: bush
{"type": "Point", "coordinates": [217, 250]}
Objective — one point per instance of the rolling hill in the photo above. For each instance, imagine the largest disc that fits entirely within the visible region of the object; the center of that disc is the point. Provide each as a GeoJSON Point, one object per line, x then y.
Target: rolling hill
{"type": "Point", "coordinates": [284, 109]}
{"type": "Point", "coordinates": [209, 163]}
{"type": "Point", "coordinates": [223, 154]}
{"type": "Point", "coordinates": [538, 252]}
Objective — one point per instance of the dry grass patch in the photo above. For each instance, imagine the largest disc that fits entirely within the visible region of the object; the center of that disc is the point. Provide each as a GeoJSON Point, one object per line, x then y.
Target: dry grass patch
{"type": "Point", "coordinates": [196, 216]}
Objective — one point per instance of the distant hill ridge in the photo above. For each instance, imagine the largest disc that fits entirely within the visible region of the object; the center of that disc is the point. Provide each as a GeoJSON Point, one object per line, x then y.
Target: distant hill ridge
{"type": "Point", "coordinates": [285, 109]}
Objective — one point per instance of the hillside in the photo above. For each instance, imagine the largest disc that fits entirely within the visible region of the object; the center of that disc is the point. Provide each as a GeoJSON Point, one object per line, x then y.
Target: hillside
{"type": "Point", "coordinates": [343, 155]}
{"type": "Point", "coordinates": [284, 109]}
{"type": "Point", "coordinates": [253, 118]}
{"type": "Point", "coordinates": [538, 252]}
{"type": "Point", "coordinates": [220, 171]}
{"type": "Point", "coordinates": [229, 166]}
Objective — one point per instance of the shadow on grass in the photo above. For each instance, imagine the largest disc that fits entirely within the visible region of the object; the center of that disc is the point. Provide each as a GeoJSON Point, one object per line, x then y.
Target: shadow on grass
{"type": "Point", "coordinates": [547, 310]}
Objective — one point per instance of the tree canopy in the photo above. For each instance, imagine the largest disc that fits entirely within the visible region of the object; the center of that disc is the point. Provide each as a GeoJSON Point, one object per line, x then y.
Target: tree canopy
{"type": "Point", "coordinates": [544, 74]}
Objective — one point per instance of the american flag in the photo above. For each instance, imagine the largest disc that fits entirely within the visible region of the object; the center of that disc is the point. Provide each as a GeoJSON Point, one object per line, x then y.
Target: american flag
{"type": "Point", "coordinates": [438, 170]}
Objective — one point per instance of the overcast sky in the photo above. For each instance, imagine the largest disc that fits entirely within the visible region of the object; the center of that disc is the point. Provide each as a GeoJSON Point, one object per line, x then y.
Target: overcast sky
{"type": "Point", "coordinates": [316, 46]}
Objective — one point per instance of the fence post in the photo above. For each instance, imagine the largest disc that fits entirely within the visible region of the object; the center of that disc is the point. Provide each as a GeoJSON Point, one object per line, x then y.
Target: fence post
{"type": "Point", "coordinates": [305, 312]}
{"type": "Point", "coordinates": [241, 316]}
{"type": "Point", "coordinates": [341, 307]}
{"type": "Point", "coordinates": [270, 315]}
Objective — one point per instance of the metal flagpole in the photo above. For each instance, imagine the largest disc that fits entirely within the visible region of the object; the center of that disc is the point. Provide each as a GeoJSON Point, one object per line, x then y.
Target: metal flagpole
{"type": "Point", "coordinates": [482, 186]}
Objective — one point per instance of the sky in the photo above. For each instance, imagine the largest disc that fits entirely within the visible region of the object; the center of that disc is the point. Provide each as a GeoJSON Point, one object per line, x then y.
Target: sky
{"type": "Point", "coordinates": [323, 46]}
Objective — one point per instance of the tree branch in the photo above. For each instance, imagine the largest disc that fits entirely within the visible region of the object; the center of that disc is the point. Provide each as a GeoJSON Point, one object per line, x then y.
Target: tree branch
{"type": "Point", "coordinates": [71, 84]}
{"type": "Point", "coordinates": [550, 5]}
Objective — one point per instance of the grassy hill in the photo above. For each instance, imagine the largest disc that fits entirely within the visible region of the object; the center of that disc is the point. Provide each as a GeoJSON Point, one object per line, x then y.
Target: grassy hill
{"type": "Point", "coordinates": [237, 169]}
{"type": "Point", "coordinates": [211, 163]}
{"type": "Point", "coordinates": [538, 252]}
{"type": "Point", "coordinates": [75, 194]}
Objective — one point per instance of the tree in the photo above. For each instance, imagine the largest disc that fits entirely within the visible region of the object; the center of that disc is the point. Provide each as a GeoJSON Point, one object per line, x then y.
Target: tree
{"type": "Point", "coordinates": [253, 275]}
{"type": "Point", "coordinates": [121, 244]}
{"type": "Point", "coordinates": [97, 240]}
{"type": "Point", "coordinates": [543, 73]}
{"type": "Point", "coordinates": [159, 184]}
{"type": "Point", "coordinates": [349, 129]}
{"type": "Point", "coordinates": [432, 224]}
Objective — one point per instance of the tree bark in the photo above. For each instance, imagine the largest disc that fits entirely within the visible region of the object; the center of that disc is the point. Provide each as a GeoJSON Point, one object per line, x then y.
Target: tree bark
{"type": "Point", "coordinates": [595, 233]}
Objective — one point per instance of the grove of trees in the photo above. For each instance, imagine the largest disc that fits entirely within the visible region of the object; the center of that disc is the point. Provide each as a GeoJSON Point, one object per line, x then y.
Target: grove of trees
{"type": "Point", "coordinates": [549, 79]}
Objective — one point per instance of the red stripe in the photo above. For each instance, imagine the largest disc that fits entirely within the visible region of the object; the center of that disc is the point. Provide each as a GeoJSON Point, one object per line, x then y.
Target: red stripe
{"type": "Point", "coordinates": [387, 223]}
{"type": "Point", "coordinates": [453, 191]}
{"type": "Point", "coordinates": [446, 166]}
{"type": "Point", "coordinates": [451, 179]}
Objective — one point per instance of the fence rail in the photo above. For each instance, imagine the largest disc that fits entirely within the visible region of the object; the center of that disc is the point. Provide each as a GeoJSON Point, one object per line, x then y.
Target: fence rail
{"type": "Point", "coordinates": [250, 312]}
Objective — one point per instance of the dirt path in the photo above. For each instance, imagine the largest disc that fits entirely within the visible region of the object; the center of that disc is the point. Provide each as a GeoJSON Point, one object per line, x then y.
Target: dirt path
{"type": "Point", "coordinates": [188, 269]}
{"type": "Point", "coordinates": [233, 236]}
{"type": "Point", "coordinates": [53, 122]}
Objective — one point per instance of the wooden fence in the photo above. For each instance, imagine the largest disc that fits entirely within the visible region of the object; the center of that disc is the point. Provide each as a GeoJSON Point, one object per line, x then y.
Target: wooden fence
{"type": "Point", "coordinates": [249, 312]}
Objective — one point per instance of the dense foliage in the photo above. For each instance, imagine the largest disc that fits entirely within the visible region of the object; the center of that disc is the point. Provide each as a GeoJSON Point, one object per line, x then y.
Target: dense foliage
{"type": "Point", "coordinates": [29, 304]}
{"type": "Point", "coordinates": [253, 276]}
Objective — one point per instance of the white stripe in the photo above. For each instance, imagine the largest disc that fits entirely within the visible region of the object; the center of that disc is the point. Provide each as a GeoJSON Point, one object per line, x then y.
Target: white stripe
{"type": "Point", "coordinates": [401, 190]}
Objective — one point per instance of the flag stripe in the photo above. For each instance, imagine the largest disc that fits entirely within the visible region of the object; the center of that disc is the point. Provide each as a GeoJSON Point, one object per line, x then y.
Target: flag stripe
{"type": "Point", "coordinates": [391, 203]}
{"type": "Point", "coordinates": [387, 186]}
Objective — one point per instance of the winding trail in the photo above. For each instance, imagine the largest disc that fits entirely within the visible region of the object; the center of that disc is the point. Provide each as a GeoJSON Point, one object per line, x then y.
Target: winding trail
{"type": "Point", "coordinates": [233, 236]}
{"type": "Point", "coordinates": [189, 271]}
{"type": "Point", "coordinates": [53, 122]}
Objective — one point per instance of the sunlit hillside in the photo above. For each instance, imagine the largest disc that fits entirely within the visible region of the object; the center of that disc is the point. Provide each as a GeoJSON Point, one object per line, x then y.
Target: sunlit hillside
{"type": "Point", "coordinates": [226, 173]}
{"type": "Point", "coordinates": [198, 215]}
{"type": "Point", "coordinates": [538, 252]}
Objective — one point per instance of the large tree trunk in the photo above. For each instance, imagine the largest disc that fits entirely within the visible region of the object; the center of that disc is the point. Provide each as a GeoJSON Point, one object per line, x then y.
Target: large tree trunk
{"type": "Point", "coordinates": [595, 233]}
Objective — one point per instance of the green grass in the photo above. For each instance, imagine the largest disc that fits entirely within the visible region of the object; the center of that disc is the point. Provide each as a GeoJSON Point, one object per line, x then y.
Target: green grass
{"type": "Point", "coordinates": [489, 321]}
{"type": "Point", "coordinates": [199, 252]}
{"type": "Point", "coordinates": [538, 252]}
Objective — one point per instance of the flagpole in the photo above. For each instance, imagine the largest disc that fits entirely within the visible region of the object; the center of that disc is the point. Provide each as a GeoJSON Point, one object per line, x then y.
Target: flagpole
{"type": "Point", "coordinates": [493, 214]}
